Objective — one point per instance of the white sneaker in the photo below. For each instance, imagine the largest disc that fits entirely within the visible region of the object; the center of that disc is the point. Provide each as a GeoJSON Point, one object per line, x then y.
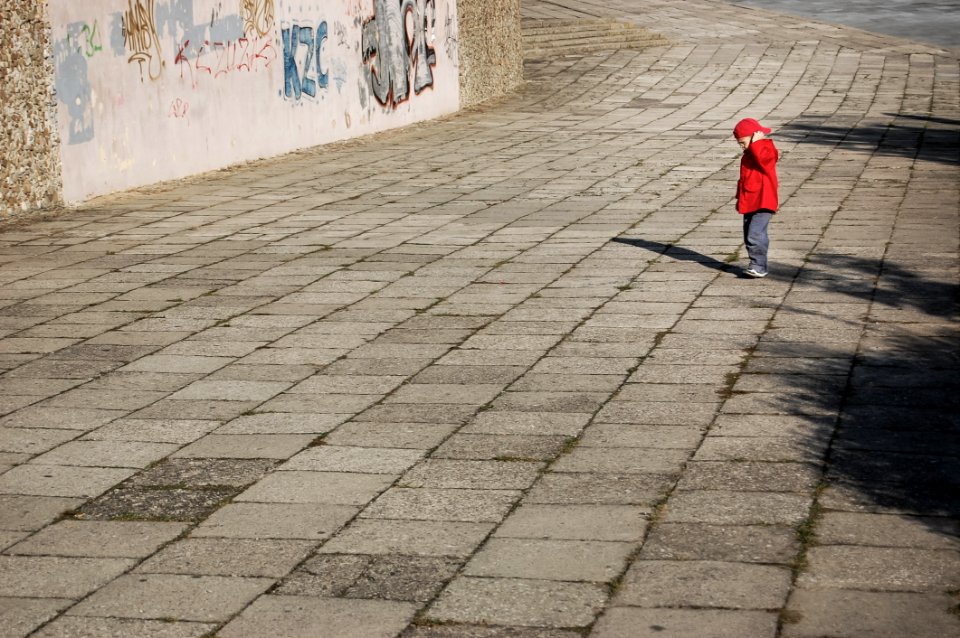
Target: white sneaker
{"type": "Point", "coordinates": [753, 272]}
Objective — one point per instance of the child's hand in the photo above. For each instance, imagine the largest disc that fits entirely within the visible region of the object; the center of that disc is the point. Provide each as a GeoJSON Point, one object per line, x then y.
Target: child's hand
{"type": "Point", "coordinates": [756, 136]}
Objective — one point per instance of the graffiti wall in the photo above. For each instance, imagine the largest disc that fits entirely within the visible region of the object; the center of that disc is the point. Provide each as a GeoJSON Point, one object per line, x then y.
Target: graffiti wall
{"type": "Point", "coordinates": [150, 90]}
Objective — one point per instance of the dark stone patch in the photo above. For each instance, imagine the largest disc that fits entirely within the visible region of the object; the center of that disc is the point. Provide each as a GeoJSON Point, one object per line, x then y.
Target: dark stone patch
{"type": "Point", "coordinates": [409, 578]}
{"type": "Point", "coordinates": [203, 473]}
{"type": "Point", "coordinates": [728, 543]}
{"type": "Point", "coordinates": [642, 103]}
{"type": "Point", "coordinates": [128, 503]}
{"type": "Point", "coordinates": [412, 578]}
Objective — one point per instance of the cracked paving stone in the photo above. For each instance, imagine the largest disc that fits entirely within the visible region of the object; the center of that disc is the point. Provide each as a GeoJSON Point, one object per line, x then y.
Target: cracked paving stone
{"type": "Point", "coordinates": [325, 575]}
{"type": "Point", "coordinates": [30, 513]}
{"type": "Point", "coordinates": [390, 577]}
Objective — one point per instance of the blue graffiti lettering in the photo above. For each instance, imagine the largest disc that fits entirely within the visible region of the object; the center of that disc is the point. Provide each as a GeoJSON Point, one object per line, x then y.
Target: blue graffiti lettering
{"type": "Point", "coordinates": [297, 80]}
{"type": "Point", "coordinates": [291, 76]}
{"type": "Point", "coordinates": [323, 76]}
{"type": "Point", "coordinates": [309, 84]}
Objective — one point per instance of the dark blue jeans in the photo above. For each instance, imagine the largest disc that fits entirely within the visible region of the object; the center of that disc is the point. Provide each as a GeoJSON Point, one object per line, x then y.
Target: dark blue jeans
{"type": "Point", "coordinates": [755, 238]}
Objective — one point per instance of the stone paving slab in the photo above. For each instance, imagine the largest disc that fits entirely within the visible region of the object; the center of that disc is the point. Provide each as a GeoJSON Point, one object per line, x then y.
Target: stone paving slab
{"type": "Point", "coordinates": [61, 480]}
{"type": "Point", "coordinates": [416, 436]}
{"type": "Point", "coordinates": [501, 375]}
{"type": "Point", "coordinates": [157, 596]}
{"type": "Point", "coordinates": [74, 627]}
{"type": "Point", "coordinates": [56, 577]}
{"type": "Point", "coordinates": [329, 458]}
{"type": "Point", "coordinates": [624, 622]}
{"type": "Point", "coordinates": [228, 557]}
{"type": "Point", "coordinates": [729, 543]}
{"type": "Point", "coordinates": [299, 616]}
{"type": "Point", "coordinates": [459, 630]}
{"type": "Point", "coordinates": [862, 613]}
{"type": "Point", "coordinates": [307, 521]}
{"type": "Point", "coordinates": [881, 568]}
{"type": "Point", "coordinates": [709, 584]}
{"type": "Point", "coordinates": [590, 561]}
{"type": "Point", "coordinates": [100, 539]}
{"type": "Point", "coordinates": [538, 603]}
{"type": "Point", "coordinates": [20, 616]}
{"type": "Point", "coordinates": [412, 538]}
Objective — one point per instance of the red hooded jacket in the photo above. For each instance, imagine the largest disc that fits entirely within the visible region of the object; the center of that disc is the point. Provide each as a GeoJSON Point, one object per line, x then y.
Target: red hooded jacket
{"type": "Point", "coordinates": [757, 188]}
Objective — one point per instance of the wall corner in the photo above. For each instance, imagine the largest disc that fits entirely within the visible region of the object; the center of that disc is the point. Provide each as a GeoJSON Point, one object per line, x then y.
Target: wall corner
{"type": "Point", "coordinates": [491, 50]}
{"type": "Point", "coordinates": [29, 136]}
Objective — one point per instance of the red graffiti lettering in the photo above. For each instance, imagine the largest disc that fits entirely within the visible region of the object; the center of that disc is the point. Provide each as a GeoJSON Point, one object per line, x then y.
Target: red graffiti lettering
{"type": "Point", "coordinates": [179, 108]}
{"type": "Point", "coordinates": [222, 58]}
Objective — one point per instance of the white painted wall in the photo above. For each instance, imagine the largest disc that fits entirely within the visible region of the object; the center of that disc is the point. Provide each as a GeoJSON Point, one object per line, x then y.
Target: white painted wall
{"type": "Point", "coordinates": [151, 90]}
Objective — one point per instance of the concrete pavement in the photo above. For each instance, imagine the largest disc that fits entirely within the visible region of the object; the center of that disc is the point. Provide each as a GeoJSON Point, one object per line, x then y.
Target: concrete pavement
{"type": "Point", "coordinates": [500, 375]}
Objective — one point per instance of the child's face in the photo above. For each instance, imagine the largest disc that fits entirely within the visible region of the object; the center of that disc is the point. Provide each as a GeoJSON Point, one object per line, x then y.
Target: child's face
{"type": "Point", "coordinates": [746, 141]}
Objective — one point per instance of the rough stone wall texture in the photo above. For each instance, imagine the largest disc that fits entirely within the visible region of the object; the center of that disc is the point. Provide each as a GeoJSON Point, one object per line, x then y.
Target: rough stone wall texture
{"type": "Point", "coordinates": [491, 51]}
{"type": "Point", "coordinates": [29, 144]}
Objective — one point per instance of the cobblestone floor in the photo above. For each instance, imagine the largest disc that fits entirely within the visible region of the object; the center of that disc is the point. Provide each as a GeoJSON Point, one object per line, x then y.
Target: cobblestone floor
{"type": "Point", "coordinates": [500, 375]}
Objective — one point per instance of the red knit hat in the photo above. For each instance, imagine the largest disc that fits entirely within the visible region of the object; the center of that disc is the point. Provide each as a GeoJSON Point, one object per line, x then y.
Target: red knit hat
{"type": "Point", "coordinates": [747, 127]}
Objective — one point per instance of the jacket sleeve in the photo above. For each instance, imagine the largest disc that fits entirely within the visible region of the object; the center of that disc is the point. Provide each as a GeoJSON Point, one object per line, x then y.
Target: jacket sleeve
{"type": "Point", "coordinates": [765, 155]}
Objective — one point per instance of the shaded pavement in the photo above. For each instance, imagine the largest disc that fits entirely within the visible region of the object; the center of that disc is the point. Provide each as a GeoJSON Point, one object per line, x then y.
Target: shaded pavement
{"type": "Point", "coordinates": [500, 374]}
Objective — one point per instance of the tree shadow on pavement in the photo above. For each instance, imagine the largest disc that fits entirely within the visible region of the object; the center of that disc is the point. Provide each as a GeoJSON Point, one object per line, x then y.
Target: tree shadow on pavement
{"type": "Point", "coordinates": [940, 144]}
{"type": "Point", "coordinates": [899, 436]}
{"type": "Point", "coordinates": [899, 287]}
{"type": "Point", "coordinates": [926, 118]}
{"type": "Point", "coordinates": [896, 446]}
{"type": "Point", "coordinates": [896, 443]}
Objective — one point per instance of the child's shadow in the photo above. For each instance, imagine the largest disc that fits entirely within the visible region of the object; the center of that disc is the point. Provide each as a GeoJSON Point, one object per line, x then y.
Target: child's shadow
{"type": "Point", "coordinates": [680, 254]}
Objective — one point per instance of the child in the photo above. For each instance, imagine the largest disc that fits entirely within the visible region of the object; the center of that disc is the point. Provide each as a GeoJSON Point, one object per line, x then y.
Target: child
{"type": "Point", "coordinates": [757, 197]}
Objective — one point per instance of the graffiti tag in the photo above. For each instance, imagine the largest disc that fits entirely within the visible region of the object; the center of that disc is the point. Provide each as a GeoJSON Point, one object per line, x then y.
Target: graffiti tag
{"type": "Point", "coordinates": [179, 108]}
{"type": "Point", "coordinates": [305, 78]}
{"type": "Point", "coordinates": [216, 59]}
{"type": "Point", "coordinates": [141, 39]}
{"type": "Point", "coordinates": [257, 16]}
{"type": "Point", "coordinates": [391, 51]}
{"type": "Point", "coordinates": [92, 44]}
